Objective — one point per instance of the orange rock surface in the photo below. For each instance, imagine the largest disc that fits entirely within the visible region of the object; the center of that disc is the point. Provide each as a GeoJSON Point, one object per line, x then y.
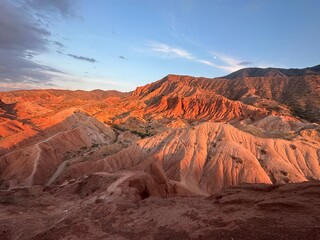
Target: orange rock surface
{"type": "Point", "coordinates": [172, 142]}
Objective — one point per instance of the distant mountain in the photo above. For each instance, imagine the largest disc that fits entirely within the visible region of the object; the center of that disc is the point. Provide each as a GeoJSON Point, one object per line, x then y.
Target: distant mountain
{"type": "Point", "coordinates": [274, 72]}
{"type": "Point", "coordinates": [288, 91]}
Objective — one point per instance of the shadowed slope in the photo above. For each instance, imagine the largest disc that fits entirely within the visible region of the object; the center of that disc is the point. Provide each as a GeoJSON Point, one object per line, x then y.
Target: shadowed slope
{"type": "Point", "coordinates": [254, 211]}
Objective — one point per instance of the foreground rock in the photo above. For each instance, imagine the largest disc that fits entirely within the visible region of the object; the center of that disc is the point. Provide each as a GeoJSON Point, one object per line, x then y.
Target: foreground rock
{"type": "Point", "coordinates": [254, 211]}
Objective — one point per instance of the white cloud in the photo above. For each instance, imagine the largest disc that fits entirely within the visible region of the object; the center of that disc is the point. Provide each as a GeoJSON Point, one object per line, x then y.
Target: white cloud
{"type": "Point", "coordinates": [225, 66]}
{"type": "Point", "coordinates": [220, 61]}
{"type": "Point", "coordinates": [228, 60]}
{"type": "Point", "coordinates": [206, 62]}
{"type": "Point", "coordinates": [228, 63]}
{"type": "Point", "coordinates": [169, 51]}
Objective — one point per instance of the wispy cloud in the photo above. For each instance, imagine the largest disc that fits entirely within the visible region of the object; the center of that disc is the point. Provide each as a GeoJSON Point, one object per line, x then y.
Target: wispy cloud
{"type": "Point", "coordinates": [65, 8]}
{"type": "Point", "coordinates": [182, 36]}
{"type": "Point", "coordinates": [223, 66]}
{"type": "Point", "coordinates": [88, 59]}
{"type": "Point", "coordinates": [169, 51]}
{"type": "Point", "coordinates": [206, 62]}
{"type": "Point", "coordinates": [59, 44]}
{"type": "Point", "coordinates": [220, 61]}
{"type": "Point", "coordinates": [228, 63]}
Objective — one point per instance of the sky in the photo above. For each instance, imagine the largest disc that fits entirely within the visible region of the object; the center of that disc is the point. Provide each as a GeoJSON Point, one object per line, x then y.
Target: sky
{"type": "Point", "coordinates": [122, 44]}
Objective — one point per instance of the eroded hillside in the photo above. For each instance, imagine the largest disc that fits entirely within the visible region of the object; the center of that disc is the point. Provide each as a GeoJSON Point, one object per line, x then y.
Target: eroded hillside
{"type": "Point", "coordinates": [93, 162]}
{"type": "Point", "coordinates": [205, 133]}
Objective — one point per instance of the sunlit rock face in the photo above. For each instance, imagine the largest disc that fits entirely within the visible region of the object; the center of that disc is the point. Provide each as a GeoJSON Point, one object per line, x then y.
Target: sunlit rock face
{"type": "Point", "coordinates": [180, 158]}
{"type": "Point", "coordinates": [251, 126]}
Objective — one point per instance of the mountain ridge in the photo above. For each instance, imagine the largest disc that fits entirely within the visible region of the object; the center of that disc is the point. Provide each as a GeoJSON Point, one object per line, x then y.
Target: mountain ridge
{"type": "Point", "coordinates": [272, 72]}
{"type": "Point", "coordinates": [215, 156]}
{"type": "Point", "coordinates": [251, 105]}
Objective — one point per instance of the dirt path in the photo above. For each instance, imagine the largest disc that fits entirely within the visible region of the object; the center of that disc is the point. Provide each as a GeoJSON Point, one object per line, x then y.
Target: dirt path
{"type": "Point", "coordinates": [114, 186]}
{"type": "Point", "coordinates": [124, 176]}
{"type": "Point", "coordinates": [63, 166]}
{"type": "Point", "coordinates": [58, 172]}
{"type": "Point", "coordinates": [29, 180]}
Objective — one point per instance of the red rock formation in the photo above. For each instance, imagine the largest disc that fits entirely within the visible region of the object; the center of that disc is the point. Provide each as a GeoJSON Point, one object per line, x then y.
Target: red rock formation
{"type": "Point", "coordinates": [144, 165]}
{"type": "Point", "coordinates": [35, 123]}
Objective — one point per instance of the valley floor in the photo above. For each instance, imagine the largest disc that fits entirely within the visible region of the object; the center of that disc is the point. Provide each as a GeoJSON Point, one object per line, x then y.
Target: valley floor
{"type": "Point", "coordinates": [249, 211]}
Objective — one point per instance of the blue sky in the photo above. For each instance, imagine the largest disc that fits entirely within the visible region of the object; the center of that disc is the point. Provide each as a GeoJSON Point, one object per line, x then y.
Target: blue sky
{"type": "Point", "coordinates": [118, 44]}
